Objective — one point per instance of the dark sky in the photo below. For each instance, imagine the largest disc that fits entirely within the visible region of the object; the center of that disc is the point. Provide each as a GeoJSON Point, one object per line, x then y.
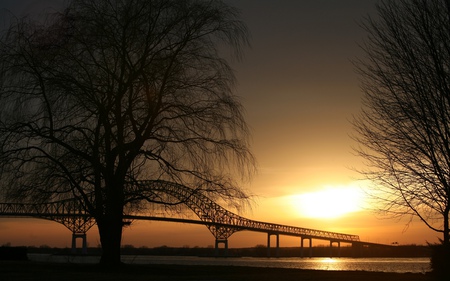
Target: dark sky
{"type": "Point", "coordinates": [299, 86]}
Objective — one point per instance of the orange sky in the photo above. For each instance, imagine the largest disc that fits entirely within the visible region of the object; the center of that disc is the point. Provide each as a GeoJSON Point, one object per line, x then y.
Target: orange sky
{"type": "Point", "coordinates": [299, 90]}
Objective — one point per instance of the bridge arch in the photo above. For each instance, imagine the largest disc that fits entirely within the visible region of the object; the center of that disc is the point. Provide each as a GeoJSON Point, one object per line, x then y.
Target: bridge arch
{"type": "Point", "coordinates": [220, 221]}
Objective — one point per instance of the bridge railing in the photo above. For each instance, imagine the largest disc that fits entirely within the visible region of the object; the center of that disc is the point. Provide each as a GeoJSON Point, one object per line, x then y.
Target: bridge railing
{"type": "Point", "coordinates": [66, 207]}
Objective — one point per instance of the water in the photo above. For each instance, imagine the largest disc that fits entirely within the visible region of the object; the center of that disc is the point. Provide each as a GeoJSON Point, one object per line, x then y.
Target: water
{"type": "Point", "coordinates": [401, 265]}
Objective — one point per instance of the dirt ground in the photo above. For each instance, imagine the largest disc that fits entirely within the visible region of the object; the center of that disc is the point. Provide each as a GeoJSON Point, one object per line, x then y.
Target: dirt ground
{"type": "Point", "coordinates": [25, 270]}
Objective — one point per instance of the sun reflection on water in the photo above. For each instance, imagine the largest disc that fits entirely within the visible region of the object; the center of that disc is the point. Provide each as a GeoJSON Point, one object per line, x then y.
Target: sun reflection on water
{"type": "Point", "coordinates": [328, 260]}
{"type": "Point", "coordinates": [329, 264]}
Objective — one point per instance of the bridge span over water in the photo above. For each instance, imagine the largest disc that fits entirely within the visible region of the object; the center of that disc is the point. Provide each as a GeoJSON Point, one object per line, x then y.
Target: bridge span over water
{"type": "Point", "coordinates": [220, 222]}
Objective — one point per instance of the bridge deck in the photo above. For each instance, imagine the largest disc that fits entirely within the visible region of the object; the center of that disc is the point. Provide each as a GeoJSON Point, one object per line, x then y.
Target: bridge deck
{"type": "Point", "coordinates": [221, 222]}
{"type": "Point", "coordinates": [31, 210]}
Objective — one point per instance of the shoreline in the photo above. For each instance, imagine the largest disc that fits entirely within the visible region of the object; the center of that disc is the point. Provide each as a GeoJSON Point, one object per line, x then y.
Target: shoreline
{"type": "Point", "coordinates": [394, 265]}
{"type": "Point", "coordinates": [30, 270]}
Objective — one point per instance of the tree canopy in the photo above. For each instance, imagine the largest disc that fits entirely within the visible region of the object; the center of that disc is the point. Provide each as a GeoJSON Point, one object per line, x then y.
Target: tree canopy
{"type": "Point", "coordinates": [107, 93]}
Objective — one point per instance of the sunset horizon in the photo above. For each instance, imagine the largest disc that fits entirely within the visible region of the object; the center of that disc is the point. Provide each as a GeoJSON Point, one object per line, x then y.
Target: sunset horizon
{"type": "Point", "coordinates": [299, 91]}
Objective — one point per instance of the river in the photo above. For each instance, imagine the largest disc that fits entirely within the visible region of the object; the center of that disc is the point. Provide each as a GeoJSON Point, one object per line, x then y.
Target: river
{"type": "Point", "coordinates": [401, 265]}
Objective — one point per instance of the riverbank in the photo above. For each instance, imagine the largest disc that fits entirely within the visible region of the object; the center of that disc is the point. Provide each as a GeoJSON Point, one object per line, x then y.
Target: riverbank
{"type": "Point", "coordinates": [26, 270]}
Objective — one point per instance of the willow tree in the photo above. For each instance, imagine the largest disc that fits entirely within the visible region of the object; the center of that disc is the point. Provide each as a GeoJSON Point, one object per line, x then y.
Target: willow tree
{"type": "Point", "coordinates": [404, 128]}
{"type": "Point", "coordinates": [110, 92]}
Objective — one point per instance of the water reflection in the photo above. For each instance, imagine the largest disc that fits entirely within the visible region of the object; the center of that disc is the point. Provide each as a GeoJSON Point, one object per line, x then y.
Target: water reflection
{"type": "Point", "coordinates": [329, 264]}
{"type": "Point", "coordinates": [417, 265]}
{"type": "Point", "coordinates": [401, 265]}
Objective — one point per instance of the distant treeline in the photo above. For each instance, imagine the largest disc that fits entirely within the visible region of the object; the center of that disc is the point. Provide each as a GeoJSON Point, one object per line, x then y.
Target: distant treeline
{"type": "Point", "coordinates": [258, 251]}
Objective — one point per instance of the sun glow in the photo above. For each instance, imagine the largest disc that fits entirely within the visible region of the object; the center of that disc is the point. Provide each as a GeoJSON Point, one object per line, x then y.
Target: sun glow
{"type": "Point", "coordinates": [328, 203]}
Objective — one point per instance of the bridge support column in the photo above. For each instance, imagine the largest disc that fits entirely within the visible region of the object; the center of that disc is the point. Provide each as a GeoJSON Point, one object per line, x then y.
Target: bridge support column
{"type": "Point", "coordinates": [331, 248]}
{"type": "Point", "coordinates": [301, 246]}
{"type": "Point", "coordinates": [357, 249]}
{"type": "Point", "coordinates": [222, 241]}
{"type": "Point", "coordinates": [277, 253]}
{"type": "Point", "coordinates": [75, 236]}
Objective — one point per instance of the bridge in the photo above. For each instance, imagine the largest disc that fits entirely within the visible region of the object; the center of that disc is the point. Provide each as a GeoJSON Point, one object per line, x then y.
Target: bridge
{"type": "Point", "coordinates": [220, 222]}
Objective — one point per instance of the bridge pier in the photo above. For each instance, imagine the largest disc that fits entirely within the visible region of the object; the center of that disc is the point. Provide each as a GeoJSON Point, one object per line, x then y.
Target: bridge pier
{"type": "Point", "coordinates": [82, 236]}
{"type": "Point", "coordinates": [301, 246]}
{"type": "Point", "coordinates": [221, 241]}
{"type": "Point", "coordinates": [357, 249]}
{"type": "Point", "coordinates": [277, 251]}
{"type": "Point", "coordinates": [331, 248]}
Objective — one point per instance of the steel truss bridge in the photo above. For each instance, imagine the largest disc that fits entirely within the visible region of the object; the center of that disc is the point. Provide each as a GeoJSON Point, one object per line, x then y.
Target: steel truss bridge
{"type": "Point", "coordinates": [220, 222]}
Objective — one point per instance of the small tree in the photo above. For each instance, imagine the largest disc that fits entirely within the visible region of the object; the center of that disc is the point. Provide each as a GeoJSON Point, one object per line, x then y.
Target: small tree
{"type": "Point", "coordinates": [404, 127]}
{"type": "Point", "coordinates": [110, 92]}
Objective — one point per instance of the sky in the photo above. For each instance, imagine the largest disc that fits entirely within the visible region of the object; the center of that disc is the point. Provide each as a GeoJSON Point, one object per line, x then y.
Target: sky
{"type": "Point", "coordinates": [300, 91]}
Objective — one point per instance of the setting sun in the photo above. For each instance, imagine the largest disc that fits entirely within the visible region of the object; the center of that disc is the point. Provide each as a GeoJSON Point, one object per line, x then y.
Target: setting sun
{"type": "Point", "coordinates": [328, 203]}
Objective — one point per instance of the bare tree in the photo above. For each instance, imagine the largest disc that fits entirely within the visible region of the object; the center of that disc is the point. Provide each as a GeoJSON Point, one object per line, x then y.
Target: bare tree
{"type": "Point", "coordinates": [108, 93]}
{"type": "Point", "coordinates": [404, 127]}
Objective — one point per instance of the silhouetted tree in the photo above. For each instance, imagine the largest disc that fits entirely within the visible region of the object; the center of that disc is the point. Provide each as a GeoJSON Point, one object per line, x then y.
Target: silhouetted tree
{"type": "Point", "coordinates": [110, 92]}
{"type": "Point", "coordinates": [404, 127]}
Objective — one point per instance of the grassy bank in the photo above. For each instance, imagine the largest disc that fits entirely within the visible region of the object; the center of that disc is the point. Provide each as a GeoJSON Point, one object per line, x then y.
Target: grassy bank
{"type": "Point", "coordinates": [16, 271]}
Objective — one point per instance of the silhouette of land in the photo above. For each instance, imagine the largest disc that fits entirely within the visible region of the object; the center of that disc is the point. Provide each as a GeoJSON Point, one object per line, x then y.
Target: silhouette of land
{"type": "Point", "coordinates": [401, 251]}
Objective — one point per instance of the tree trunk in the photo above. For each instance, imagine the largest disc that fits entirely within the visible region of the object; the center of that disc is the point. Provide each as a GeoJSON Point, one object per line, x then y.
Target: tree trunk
{"type": "Point", "coordinates": [110, 230]}
{"type": "Point", "coordinates": [446, 241]}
